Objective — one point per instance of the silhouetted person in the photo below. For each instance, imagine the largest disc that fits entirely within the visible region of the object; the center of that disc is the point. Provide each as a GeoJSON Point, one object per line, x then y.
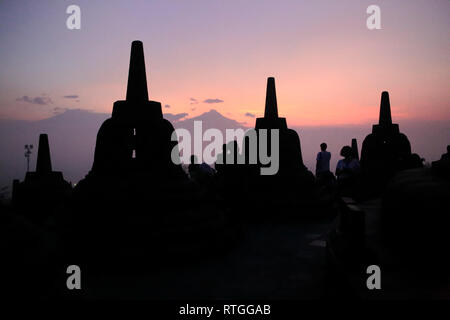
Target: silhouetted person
{"type": "Point", "coordinates": [415, 161]}
{"type": "Point", "coordinates": [206, 169]}
{"type": "Point", "coordinates": [347, 170]}
{"type": "Point", "coordinates": [441, 167]}
{"type": "Point", "coordinates": [200, 173]}
{"type": "Point", "coordinates": [193, 167]}
{"type": "Point", "coordinates": [446, 156]}
{"type": "Point", "coordinates": [323, 160]}
{"type": "Point", "coordinates": [227, 164]}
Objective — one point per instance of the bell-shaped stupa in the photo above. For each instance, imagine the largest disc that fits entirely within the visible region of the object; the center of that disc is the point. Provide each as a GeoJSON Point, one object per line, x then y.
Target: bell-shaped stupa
{"type": "Point", "coordinates": [386, 150]}
{"type": "Point", "coordinates": [287, 190]}
{"type": "Point", "coordinates": [136, 137]}
{"type": "Point", "coordinates": [135, 198]}
{"type": "Point", "coordinates": [44, 191]}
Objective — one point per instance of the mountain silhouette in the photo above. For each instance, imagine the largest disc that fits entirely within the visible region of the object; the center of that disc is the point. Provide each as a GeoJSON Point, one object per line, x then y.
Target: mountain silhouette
{"type": "Point", "coordinates": [211, 119]}
{"type": "Point", "coordinates": [73, 132]}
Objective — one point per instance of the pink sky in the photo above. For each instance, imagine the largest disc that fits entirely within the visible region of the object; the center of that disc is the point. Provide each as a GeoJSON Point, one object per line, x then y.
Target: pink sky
{"type": "Point", "coordinates": [329, 68]}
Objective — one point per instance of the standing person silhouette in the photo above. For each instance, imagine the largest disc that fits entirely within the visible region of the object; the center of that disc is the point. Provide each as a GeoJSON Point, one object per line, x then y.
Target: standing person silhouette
{"type": "Point", "coordinates": [194, 168]}
{"type": "Point", "coordinates": [347, 170]}
{"type": "Point", "coordinates": [323, 160]}
{"type": "Point", "coordinates": [446, 156]}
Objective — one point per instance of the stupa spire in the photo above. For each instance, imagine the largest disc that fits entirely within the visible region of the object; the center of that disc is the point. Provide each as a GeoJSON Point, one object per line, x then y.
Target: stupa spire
{"type": "Point", "coordinates": [271, 110]}
{"type": "Point", "coordinates": [43, 164]}
{"type": "Point", "coordinates": [137, 79]}
{"type": "Point", "coordinates": [385, 110]}
{"type": "Point", "coordinates": [355, 152]}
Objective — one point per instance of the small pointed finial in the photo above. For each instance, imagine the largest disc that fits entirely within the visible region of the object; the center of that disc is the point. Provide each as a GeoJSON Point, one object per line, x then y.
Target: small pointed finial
{"type": "Point", "coordinates": [385, 110]}
{"type": "Point", "coordinates": [355, 152]}
{"type": "Point", "coordinates": [137, 79]}
{"type": "Point", "coordinates": [43, 163]}
{"type": "Point", "coordinates": [271, 110]}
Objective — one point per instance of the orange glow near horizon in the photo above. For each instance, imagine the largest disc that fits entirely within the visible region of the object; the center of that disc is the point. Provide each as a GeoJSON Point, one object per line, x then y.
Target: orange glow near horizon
{"type": "Point", "coordinates": [329, 68]}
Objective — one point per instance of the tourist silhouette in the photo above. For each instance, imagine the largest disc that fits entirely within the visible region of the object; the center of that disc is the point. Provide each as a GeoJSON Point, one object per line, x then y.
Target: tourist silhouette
{"type": "Point", "coordinates": [193, 166]}
{"type": "Point", "coordinates": [200, 173]}
{"type": "Point", "coordinates": [347, 171]}
{"type": "Point", "coordinates": [441, 167]}
{"type": "Point", "coordinates": [325, 179]}
{"type": "Point", "coordinates": [323, 160]}
{"type": "Point", "coordinates": [446, 156]}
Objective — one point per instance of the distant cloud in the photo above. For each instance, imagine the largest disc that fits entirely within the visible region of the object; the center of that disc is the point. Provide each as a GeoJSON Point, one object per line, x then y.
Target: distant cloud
{"type": "Point", "coordinates": [175, 117]}
{"type": "Point", "coordinates": [37, 100]}
{"type": "Point", "coordinates": [212, 101]}
{"type": "Point", "coordinates": [193, 108]}
{"type": "Point", "coordinates": [167, 106]}
{"type": "Point", "coordinates": [250, 115]}
{"type": "Point", "coordinates": [193, 101]}
{"type": "Point", "coordinates": [72, 96]}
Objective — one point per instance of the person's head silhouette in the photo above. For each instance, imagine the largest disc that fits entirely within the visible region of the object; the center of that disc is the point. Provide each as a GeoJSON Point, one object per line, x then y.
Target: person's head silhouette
{"type": "Point", "coordinates": [346, 152]}
{"type": "Point", "coordinates": [323, 146]}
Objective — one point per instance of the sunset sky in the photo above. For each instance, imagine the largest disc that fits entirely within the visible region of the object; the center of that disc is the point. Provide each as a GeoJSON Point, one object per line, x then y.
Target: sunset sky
{"type": "Point", "coordinates": [329, 68]}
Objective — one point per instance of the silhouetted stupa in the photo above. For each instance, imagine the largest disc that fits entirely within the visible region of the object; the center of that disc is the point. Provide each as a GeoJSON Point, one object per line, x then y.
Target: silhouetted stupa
{"type": "Point", "coordinates": [43, 190]}
{"type": "Point", "coordinates": [271, 119]}
{"type": "Point", "coordinates": [291, 159]}
{"type": "Point", "coordinates": [134, 189]}
{"type": "Point", "coordinates": [136, 137]}
{"type": "Point", "coordinates": [292, 188]}
{"type": "Point", "coordinates": [386, 149]}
